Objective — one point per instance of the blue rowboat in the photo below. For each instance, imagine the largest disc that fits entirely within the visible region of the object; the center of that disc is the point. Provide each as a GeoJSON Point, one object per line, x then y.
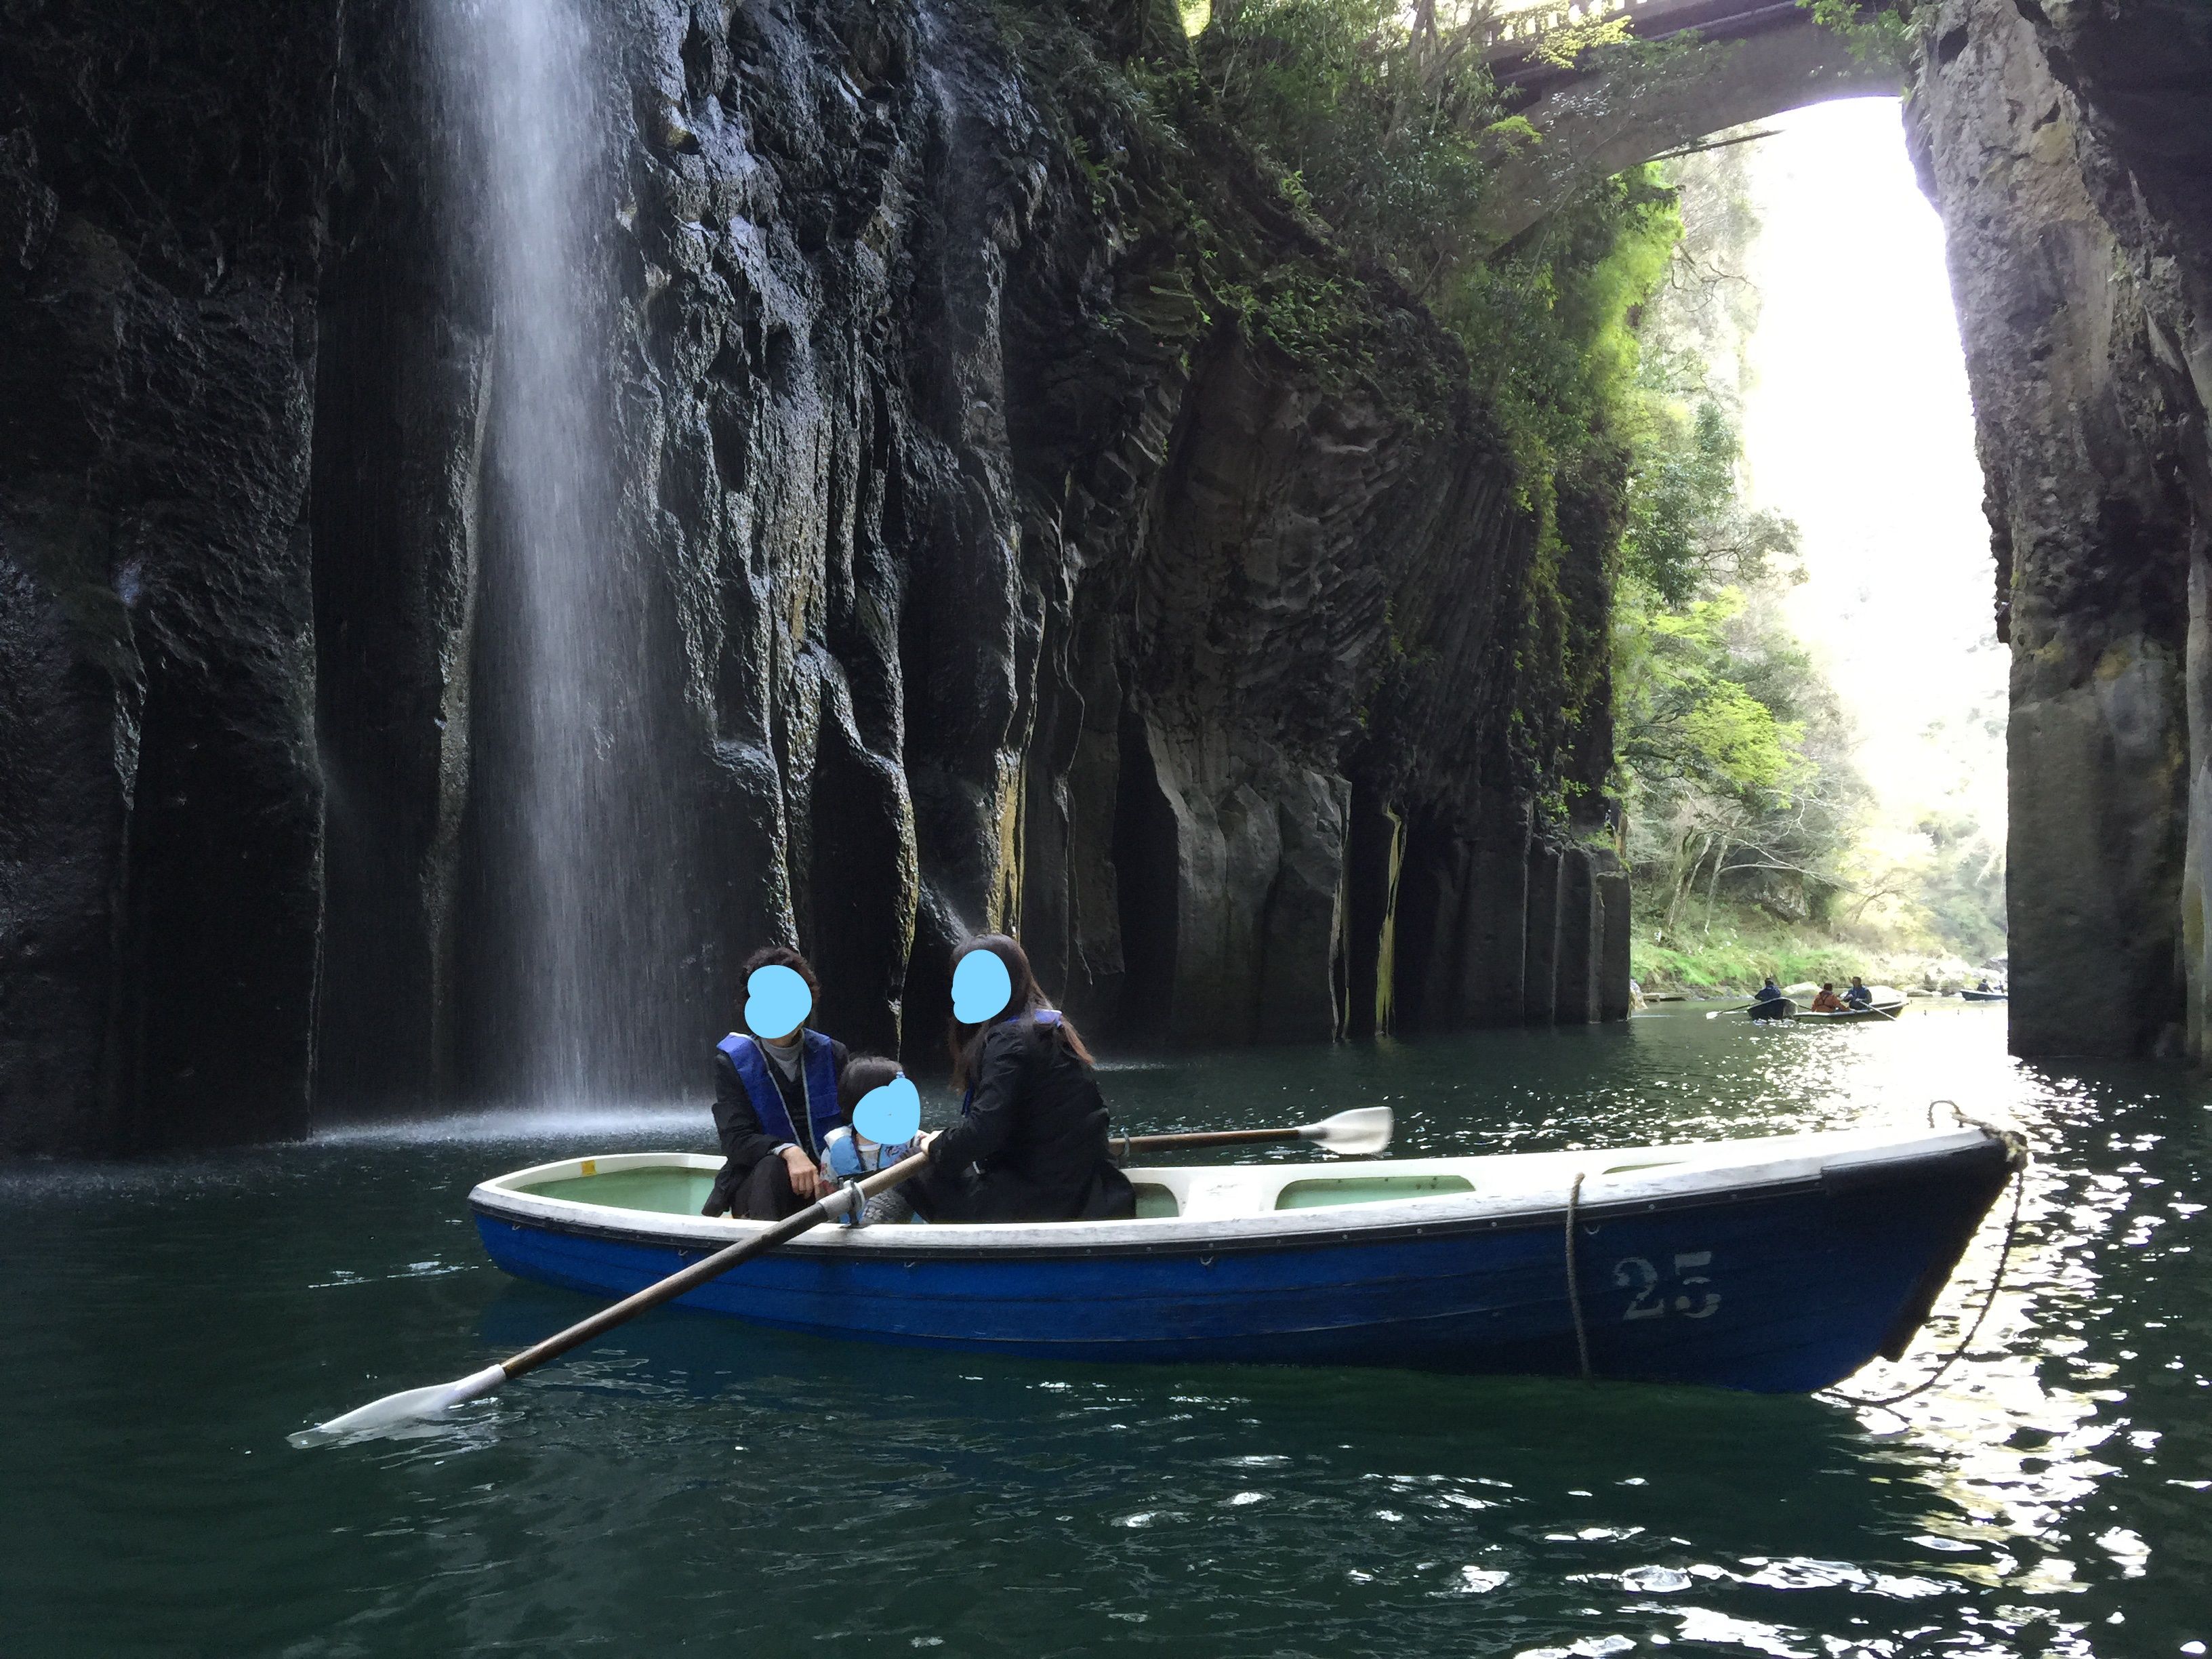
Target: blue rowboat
{"type": "Point", "coordinates": [1779, 1264]}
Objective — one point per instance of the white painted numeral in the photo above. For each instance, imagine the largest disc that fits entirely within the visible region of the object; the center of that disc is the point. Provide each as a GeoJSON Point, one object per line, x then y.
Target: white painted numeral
{"type": "Point", "coordinates": [1639, 1275]}
{"type": "Point", "coordinates": [1635, 1273]}
{"type": "Point", "coordinates": [1703, 1309]}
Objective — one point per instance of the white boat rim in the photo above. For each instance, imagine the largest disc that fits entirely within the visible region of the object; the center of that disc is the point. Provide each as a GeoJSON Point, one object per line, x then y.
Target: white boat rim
{"type": "Point", "coordinates": [1241, 1203]}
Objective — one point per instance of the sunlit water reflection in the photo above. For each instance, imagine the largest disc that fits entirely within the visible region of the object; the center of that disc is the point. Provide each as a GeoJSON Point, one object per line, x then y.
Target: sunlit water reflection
{"type": "Point", "coordinates": [692, 1484]}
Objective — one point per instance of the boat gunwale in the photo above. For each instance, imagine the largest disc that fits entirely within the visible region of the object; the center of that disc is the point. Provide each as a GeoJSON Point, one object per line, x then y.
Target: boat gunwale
{"type": "Point", "coordinates": [1324, 1226]}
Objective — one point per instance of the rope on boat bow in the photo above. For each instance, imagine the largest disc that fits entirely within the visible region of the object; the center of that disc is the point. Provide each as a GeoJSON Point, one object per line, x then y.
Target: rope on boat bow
{"type": "Point", "coordinates": [2014, 1143]}
{"type": "Point", "coordinates": [2018, 1147]}
{"type": "Point", "coordinates": [1574, 1277]}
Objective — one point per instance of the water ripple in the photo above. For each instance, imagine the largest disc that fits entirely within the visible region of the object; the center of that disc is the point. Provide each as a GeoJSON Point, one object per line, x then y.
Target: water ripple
{"type": "Point", "coordinates": [690, 1482]}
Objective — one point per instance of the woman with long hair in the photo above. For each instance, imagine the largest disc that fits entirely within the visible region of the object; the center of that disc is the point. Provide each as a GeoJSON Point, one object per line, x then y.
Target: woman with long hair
{"type": "Point", "coordinates": [1030, 1144]}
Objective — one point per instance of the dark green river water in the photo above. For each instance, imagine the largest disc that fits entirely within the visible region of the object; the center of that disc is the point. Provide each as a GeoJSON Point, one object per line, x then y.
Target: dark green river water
{"type": "Point", "coordinates": [693, 1486]}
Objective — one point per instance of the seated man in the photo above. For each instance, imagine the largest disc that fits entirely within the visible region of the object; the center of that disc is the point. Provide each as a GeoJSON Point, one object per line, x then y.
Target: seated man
{"type": "Point", "coordinates": [775, 1101]}
{"type": "Point", "coordinates": [1769, 992]}
{"type": "Point", "coordinates": [1858, 996]}
{"type": "Point", "coordinates": [1827, 1002]}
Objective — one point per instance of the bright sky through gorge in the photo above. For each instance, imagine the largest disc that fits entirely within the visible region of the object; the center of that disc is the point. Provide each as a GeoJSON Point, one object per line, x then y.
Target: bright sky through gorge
{"type": "Point", "coordinates": [1859, 426]}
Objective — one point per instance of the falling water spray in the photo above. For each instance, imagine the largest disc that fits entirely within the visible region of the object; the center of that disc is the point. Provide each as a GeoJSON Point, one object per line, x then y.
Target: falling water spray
{"type": "Point", "coordinates": [576, 863]}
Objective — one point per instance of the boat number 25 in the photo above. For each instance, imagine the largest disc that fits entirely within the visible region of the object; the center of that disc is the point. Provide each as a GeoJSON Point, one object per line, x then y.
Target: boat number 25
{"type": "Point", "coordinates": [1651, 1299]}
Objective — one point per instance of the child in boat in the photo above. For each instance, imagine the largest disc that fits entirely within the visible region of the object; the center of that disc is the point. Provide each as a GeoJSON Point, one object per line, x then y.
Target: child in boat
{"type": "Point", "coordinates": [775, 1101]}
{"type": "Point", "coordinates": [847, 1155]}
{"type": "Point", "coordinates": [1827, 1002]}
{"type": "Point", "coordinates": [1030, 1144]}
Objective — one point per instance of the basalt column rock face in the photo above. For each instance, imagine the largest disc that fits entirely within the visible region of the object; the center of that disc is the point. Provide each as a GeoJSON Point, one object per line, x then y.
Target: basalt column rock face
{"type": "Point", "coordinates": [1026, 520]}
{"type": "Point", "coordinates": [2068, 148]}
{"type": "Point", "coordinates": [403, 337]}
{"type": "Point", "coordinates": [161, 175]}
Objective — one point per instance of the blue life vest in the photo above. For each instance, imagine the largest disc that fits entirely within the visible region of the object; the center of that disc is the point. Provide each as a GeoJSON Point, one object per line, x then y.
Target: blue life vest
{"type": "Point", "coordinates": [817, 1071]}
{"type": "Point", "coordinates": [850, 1157]}
{"type": "Point", "coordinates": [1042, 1016]}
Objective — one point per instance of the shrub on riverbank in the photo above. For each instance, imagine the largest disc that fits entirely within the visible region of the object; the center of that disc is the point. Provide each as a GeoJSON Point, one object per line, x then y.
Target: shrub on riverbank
{"type": "Point", "coordinates": [1744, 944]}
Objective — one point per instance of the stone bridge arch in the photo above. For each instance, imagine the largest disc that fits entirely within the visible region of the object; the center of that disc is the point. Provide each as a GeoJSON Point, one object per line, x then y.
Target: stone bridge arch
{"type": "Point", "coordinates": [1719, 63]}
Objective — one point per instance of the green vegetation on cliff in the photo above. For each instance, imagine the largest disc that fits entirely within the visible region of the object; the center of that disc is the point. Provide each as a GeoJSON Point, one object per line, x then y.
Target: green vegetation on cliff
{"type": "Point", "coordinates": [1384, 129]}
{"type": "Point", "coordinates": [1749, 830]}
{"type": "Point", "coordinates": [1610, 364]}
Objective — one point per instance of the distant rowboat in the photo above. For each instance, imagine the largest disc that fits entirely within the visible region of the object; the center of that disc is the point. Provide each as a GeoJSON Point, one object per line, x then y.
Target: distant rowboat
{"type": "Point", "coordinates": [1983, 996]}
{"type": "Point", "coordinates": [1778, 1265]}
{"type": "Point", "coordinates": [1888, 1003]}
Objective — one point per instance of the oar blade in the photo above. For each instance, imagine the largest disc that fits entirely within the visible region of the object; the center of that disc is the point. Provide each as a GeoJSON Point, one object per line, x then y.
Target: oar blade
{"type": "Point", "coordinates": [1360, 1133]}
{"type": "Point", "coordinates": [409, 1405]}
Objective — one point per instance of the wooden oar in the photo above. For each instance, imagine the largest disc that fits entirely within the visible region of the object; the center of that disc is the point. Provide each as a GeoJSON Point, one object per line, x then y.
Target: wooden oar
{"type": "Point", "coordinates": [1360, 1132]}
{"type": "Point", "coordinates": [1366, 1129]}
{"type": "Point", "coordinates": [414, 1403]}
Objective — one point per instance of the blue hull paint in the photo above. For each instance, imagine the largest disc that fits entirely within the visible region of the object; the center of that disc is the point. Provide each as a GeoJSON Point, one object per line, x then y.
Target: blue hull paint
{"type": "Point", "coordinates": [1781, 1291]}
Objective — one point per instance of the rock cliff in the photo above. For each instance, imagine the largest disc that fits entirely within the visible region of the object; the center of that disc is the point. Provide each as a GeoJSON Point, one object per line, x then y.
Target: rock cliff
{"type": "Point", "coordinates": [161, 845]}
{"type": "Point", "coordinates": [1040, 526]}
{"type": "Point", "coordinates": [2068, 148]}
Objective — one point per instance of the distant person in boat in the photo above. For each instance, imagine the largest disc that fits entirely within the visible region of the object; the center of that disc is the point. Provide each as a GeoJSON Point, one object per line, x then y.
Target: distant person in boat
{"type": "Point", "coordinates": [1030, 1144]}
{"type": "Point", "coordinates": [1983, 986]}
{"type": "Point", "coordinates": [1827, 1002]}
{"type": "Point", "coordinates": [1858, 996]}
{"type": "Point", "coordinates": [775, 1094]}
{"type": "Point", "coordinates": [1769, 992]}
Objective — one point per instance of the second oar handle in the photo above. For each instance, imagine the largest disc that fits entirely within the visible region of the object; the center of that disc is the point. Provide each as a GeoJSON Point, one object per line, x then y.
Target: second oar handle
{"type": "Point", "coordinates": [1129, 1144]}
{"type": "Point", "coordinates": [845, 1199]}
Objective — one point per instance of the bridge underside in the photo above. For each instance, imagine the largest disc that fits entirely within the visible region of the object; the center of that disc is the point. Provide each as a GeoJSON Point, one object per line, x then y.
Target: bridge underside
{"type": "Point", "coordinates": [1633, 104]}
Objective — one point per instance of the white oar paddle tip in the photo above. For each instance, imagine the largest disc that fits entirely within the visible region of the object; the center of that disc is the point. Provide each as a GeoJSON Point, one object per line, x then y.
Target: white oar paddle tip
{"type": "Point", "coordinates": [410, 1404]}
{"type": "Point", "coordinates": [1360, 1133]}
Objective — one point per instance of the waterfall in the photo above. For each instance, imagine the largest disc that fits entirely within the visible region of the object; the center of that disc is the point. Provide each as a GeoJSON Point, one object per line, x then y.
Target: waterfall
{"type": "Point", "coordinates": [574, 841]}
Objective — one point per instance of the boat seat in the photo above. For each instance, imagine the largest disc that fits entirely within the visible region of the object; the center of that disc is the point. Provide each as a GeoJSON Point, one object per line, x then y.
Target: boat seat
{"type": "Point", "coordinates": [1156, 1202]}
{"type": "Point", "coordinates": [662, 1190]}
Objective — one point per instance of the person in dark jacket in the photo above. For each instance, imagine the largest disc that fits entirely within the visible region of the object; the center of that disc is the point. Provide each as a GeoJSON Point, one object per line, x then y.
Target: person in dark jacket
{"type": "Point", "coordinates": [775, 1103]}
{"type": "Point", "coordinates": [1858, 996]}
{"type": "Point", "coordinates": [1030, 1144]}
{"type": "Point", "coordinates": [1768, 1002]}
